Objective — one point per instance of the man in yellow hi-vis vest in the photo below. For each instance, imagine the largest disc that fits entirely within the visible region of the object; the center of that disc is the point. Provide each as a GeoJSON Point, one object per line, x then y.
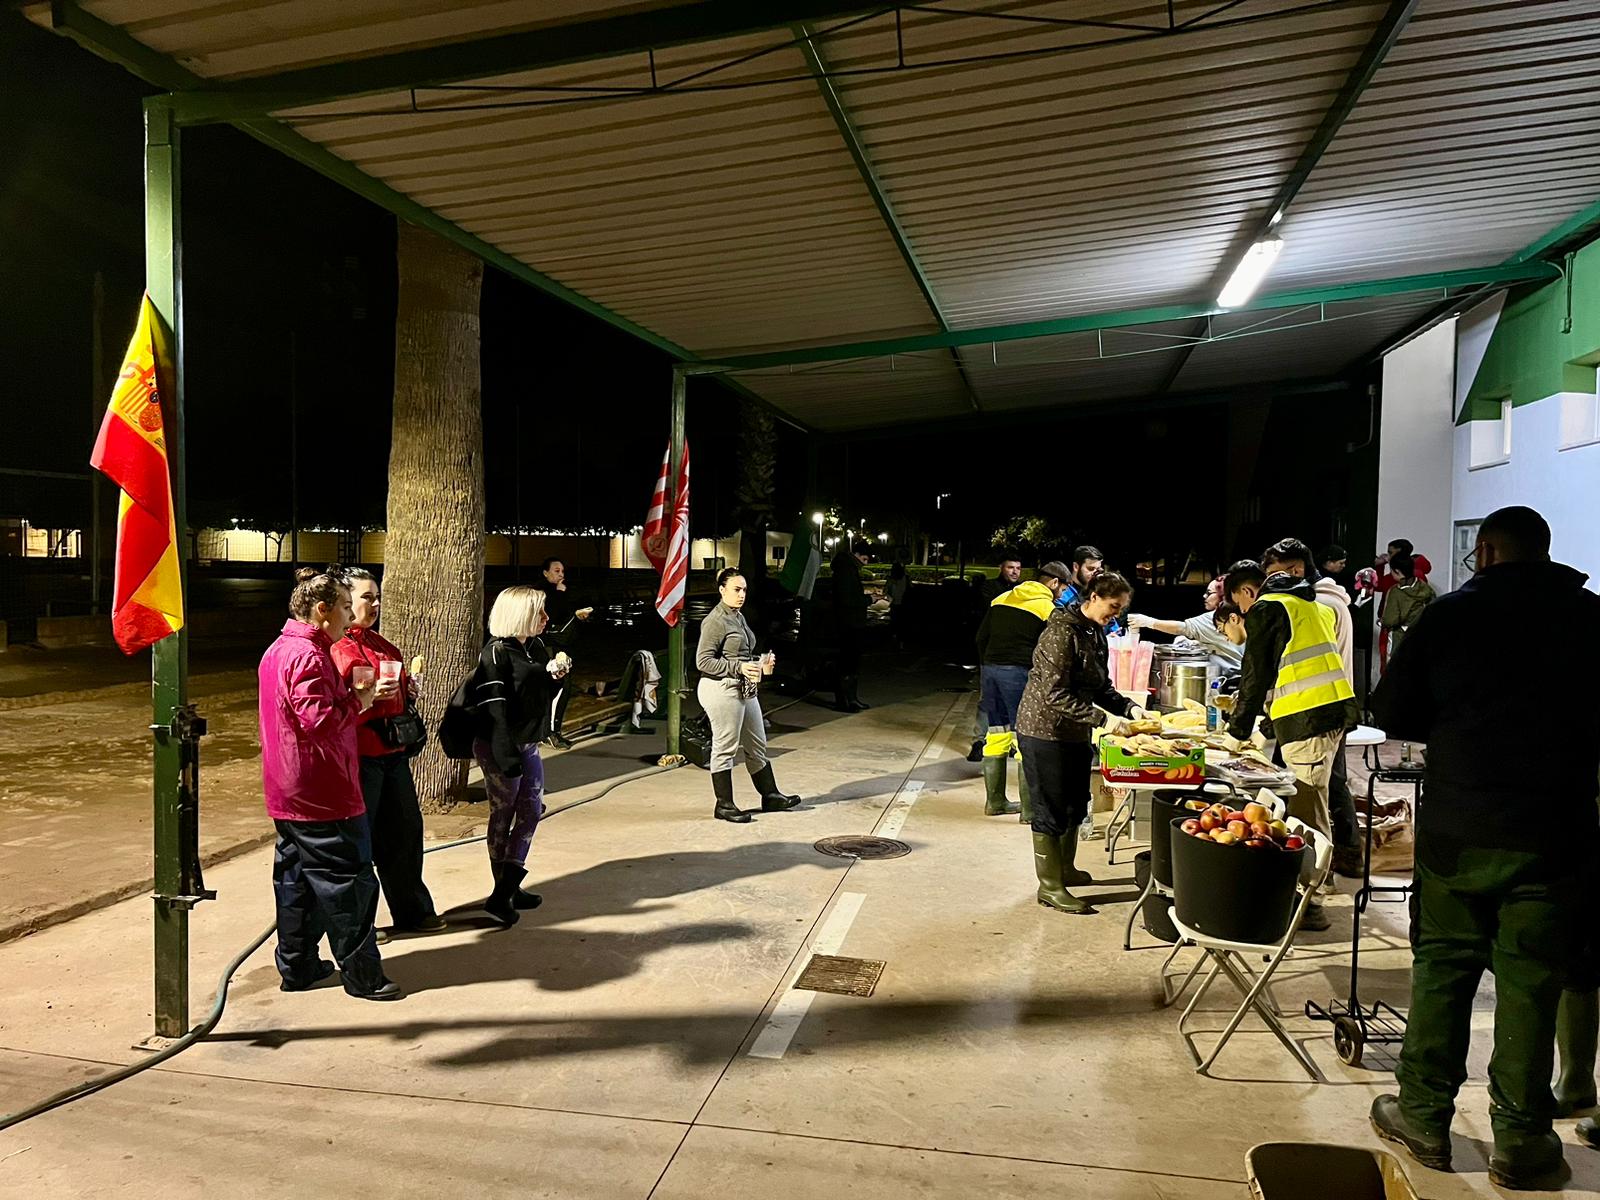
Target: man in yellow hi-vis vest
{"type": "Point", "coordinates": [1293, 670]}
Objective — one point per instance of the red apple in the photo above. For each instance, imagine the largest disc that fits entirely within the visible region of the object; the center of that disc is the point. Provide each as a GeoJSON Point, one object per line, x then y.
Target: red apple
{"type": "Point", "coordinates": [1260, 829]}
{"type": "Point", "coordinates": [1191, 826]}
{"type": "Point", "coordinates": [1261, 843]}
{"type": "Point", "coordinates": [1196, 805]}
{"type": "Point", "coordinates": [1254, 813]}
{"type": "Point", "coordinates": [1239, 829]}
{"type": "Point", "coordinates": [1209, 821]}
{"type": "Point", "coordinates": [1223, 838]}
{"type": "Point", "coordinates": [1294, 842]}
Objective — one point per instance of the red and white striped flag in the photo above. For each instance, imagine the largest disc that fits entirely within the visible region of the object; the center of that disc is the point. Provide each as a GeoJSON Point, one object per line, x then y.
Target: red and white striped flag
{"type": "Point", "coordinates": [667, 545]}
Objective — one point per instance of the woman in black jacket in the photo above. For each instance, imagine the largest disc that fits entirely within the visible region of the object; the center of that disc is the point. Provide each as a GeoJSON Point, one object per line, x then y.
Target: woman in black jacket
{"type": "Point", "coordinates": [515, 693]}
{"type": "Point", "coordinates": [1068, 698]}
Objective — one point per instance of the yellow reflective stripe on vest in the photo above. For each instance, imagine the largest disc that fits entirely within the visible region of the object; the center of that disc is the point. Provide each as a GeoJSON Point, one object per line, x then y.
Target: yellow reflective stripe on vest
{"type": "Point", "coordinates": [1310, 673]}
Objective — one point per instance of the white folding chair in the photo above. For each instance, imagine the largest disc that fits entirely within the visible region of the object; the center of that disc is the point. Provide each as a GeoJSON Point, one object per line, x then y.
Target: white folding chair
{"type": "Point", "coordinates": [1233, 959]}
{"type": "Point", "coordinates": [1170, 994]}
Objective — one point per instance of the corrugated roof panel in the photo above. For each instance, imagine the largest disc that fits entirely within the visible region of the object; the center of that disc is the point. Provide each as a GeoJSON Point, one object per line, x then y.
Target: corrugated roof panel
{"type": "Point", "coordinates": [252, 37]}
{"type": "Point", "coordinates": [1284, 344]}
{"type": "Point", "coordinates": [1475, 138]}
{"type": "Point", "coordinates": [723, 224]}
{"type": "Point", "coordinates": [1070, 369]}
{"type": "Point", "coordinates": [1112, 176]}
{"type": "Point", "coordinates": [866, 393]}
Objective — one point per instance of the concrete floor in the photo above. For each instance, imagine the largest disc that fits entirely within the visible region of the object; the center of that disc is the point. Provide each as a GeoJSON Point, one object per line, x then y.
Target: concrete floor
{"type": "Point", "coordinates": [603, 1047]}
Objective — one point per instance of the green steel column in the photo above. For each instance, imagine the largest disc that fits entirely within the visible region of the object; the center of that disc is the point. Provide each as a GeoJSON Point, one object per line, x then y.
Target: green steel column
{"type": "Point", "coordinates": [163, 240]}
{"type": "Point", "coordinates": [675, 671]}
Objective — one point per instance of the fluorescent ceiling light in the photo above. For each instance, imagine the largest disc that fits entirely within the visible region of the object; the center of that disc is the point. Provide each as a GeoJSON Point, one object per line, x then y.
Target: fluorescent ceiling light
{"type": "Point", "coordinates": [1252, 269]}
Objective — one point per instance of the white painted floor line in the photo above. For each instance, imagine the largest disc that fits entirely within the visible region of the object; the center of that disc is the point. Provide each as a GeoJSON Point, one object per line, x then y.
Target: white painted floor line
{"type": "Point", "coordinates": [773, 1040]}
{"type": "Point", "coordinates": [899, 809]}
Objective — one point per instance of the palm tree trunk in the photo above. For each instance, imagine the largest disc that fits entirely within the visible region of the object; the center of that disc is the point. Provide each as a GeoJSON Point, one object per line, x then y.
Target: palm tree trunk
{"type": "Point", "coordinates": [433, 557]}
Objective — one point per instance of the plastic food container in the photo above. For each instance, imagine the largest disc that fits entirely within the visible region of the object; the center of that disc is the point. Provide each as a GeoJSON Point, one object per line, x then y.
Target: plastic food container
{"type": "Point", "coordinates": [1308, 1171]}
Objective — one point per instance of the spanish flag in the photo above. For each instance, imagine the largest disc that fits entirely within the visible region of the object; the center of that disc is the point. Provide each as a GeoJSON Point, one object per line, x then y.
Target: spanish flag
{"type": "Point", "coordinates": [131, 451]}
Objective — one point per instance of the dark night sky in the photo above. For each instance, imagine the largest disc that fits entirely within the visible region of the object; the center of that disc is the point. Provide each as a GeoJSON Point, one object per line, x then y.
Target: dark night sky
{"type": "Point", "coordinates": [273, 250]}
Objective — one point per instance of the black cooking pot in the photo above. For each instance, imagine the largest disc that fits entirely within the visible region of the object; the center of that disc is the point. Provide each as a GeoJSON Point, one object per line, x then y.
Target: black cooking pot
{"type": "Point", "coordinates": [1156, 909]}
{"type": "Point", "coordinates": [1167, 804]}
{"type": "Point", "coordinates": [1233, 892]}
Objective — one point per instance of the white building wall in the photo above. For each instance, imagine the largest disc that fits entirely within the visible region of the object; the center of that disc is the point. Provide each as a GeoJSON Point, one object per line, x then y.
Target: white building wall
{"type": "Point", "coordinates": [1564, 485]}
{"type": "Point", "coordinates": [1417, 451]}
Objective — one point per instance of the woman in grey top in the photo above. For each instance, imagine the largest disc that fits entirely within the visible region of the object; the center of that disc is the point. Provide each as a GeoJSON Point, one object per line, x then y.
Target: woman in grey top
{"type": "Point", "coordinates": [730, 674]}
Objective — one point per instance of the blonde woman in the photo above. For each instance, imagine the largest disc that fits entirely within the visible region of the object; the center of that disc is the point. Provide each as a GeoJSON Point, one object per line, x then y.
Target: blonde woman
{"type": "Point", "coordinates": [516, 689]}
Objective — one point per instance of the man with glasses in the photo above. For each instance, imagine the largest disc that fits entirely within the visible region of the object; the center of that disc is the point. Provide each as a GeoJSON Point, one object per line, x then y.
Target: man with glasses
{"type": "Point", "coordinates": [1505, 840]}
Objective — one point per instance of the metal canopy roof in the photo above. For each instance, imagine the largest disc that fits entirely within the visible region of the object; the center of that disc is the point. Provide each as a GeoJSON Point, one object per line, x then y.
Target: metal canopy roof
{"type": "Point", "coordinates": [992, 204]}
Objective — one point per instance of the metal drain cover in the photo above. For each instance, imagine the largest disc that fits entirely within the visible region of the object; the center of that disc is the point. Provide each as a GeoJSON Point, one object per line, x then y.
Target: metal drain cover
{"type": "Point", "coordinates": [862, 846]}
{"type": "Point", "coordinates": [841, 976]}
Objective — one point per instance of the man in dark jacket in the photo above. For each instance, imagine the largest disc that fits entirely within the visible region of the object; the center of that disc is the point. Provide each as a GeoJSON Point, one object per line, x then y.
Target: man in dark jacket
{"type": "Point", "coordinates": [1291, 658]}
{"type": "Point", "coordinates": [850, 605]}
{"type": "Point", "coordinates": [1505, 836]}
{"type": "Point", "coordinates": [1006, 639]}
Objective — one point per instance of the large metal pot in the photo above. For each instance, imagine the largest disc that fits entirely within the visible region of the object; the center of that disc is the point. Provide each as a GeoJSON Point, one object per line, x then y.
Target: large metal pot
{"type": "Point", "coordinates": [1178, 675]}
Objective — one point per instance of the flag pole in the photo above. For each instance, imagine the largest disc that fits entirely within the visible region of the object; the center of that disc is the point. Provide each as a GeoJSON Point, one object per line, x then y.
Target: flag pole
{"type": "Point", "coordinates": [675, 664]}
{"type": "Point", "coordinates": [169, 657]}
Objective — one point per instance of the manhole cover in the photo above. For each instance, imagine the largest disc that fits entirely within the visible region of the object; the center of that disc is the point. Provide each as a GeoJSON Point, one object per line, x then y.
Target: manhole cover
{"type": "Point", "coordinates": [841, 976]}
{"type": "Point", "coordinates": [856, 846]}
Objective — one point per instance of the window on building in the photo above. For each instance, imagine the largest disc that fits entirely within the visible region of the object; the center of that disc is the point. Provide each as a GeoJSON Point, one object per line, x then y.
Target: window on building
{"type": "Point", "coordinates": [1491, 440]}
{"type": "Point", "coordinates": [1580, 419]}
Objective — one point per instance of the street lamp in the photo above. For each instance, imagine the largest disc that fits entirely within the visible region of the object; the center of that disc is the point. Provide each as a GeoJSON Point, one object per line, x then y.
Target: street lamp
{"type": "Point", "coordinates": [883, 537]}
{"type": "Point", "coordinates": [816, 518]}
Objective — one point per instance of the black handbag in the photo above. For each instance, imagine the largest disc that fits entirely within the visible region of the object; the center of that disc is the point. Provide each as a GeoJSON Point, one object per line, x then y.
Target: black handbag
{"type": "Point", "coordinates": [406, 731]}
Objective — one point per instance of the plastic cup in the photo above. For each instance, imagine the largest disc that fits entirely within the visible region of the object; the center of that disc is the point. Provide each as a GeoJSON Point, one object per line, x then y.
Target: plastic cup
{"type": "Point", "coordinates": [389, 668]}
{"type": "Point", "coordinates": [361, 678]}
{"type": "Point", "coordinates": [769, 663]}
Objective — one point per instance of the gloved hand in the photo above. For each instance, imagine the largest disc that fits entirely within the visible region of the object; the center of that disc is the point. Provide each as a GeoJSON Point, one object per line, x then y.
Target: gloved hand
{"type": "Point", "coordinates": [1232, 744]}
{"type": "Point", "coordinates": [1140, 621]}
{"type": "Point", "coordinates": [1135, 713]}
{"type": "Point", "coordinates": [1115, 726]}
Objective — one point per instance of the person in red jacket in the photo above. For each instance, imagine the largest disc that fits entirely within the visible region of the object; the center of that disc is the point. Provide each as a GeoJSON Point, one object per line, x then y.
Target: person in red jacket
{"type": "Point", "coordinates": [322, 870]}
{"type": "Point", "coordinates": [394, 818]}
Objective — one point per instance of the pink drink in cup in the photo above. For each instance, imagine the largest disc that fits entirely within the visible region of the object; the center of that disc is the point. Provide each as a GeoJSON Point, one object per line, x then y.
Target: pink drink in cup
{"type": "Point", "coordinates": [361, 678]}
{"type": "Point", "coordinates": [389, 668]}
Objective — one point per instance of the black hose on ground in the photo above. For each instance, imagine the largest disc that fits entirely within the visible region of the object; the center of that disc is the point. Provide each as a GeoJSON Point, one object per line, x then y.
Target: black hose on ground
{"type": "Point", "coordinates": [101, 1082]}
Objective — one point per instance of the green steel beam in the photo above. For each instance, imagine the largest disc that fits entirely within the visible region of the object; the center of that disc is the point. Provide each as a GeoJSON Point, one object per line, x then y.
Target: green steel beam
{"type": "Point", "coordinates": [503, 54]}
{"type": "Point", "coordinates": [869, 176]}
{"type": "Point", "coordinates": [1502, 275]}
{"type": "Point", "coordinates": [1344, 102]}
{"type": "Point", "coordinates": [1556, 240]}
{"type": "Point", "coordinates": [169, 658]}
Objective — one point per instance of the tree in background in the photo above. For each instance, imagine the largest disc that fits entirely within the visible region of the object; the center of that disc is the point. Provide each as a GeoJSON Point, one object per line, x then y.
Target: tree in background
{"type": "Point", "coordinates": [433, 558]}
{"type": "Point", "coordinates": [758, 461]}
{"type": "Point", "coordinates": [1032, 537]}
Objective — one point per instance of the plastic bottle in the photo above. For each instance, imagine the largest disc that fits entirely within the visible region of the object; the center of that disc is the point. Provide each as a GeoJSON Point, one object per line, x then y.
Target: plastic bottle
{"type": "Point", "coordinates": [1213, 713]}
{"type": "Point", "coordinates": [1086, 829]}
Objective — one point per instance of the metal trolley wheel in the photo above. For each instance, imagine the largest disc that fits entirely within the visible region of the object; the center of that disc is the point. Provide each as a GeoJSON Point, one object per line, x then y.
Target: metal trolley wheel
{"type": "Point", "coordinates": [1349, 1040]}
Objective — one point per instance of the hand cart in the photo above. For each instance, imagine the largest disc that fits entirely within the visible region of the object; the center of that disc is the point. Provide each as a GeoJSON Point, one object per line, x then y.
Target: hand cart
{"type": "Point", "coordinates": [1355, 1025]}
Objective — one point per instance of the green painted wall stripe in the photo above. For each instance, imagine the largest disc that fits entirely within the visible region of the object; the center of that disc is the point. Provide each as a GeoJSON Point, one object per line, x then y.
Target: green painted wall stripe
{"type": "Point", "coordinates": [1529, 357]}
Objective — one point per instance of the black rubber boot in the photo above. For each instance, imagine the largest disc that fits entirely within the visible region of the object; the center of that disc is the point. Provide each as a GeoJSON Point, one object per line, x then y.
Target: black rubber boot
{"type": "Point", "coordinates": [1529, 1165]}
{"type": "Point", "coordinates": [1071, 877]}
{"type": "Point", "coordinates": [994, 787]}
{"type": "Point", "coordinates": [857, 704]}
{"type": "Point", "coordinates": [1047, 866]}
{"type": "Point", "coordinates": [1577, 1031]}
{"type": "Point", "coordinates": [1430, 1147]}
{"type": "Point", "coordinates": [321, 971]}
{"type": "Point", "coordinates": [499, 905]}
{"type": "Point", "coordinates": [513, 875]}
{"type": "Point", "coordinates": [726, 810]}
{"type": "Point", "coordinates": [772, 800]}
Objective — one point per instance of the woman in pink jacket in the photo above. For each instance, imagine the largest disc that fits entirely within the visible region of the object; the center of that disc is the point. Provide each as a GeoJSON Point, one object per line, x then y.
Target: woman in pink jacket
{"type": "Point", "coordinates": [322, 872]}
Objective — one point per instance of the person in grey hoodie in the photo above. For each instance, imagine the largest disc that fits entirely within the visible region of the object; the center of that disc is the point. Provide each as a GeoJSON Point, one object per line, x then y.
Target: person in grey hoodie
{"type": "Point", "coordinates": [730, 674]}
